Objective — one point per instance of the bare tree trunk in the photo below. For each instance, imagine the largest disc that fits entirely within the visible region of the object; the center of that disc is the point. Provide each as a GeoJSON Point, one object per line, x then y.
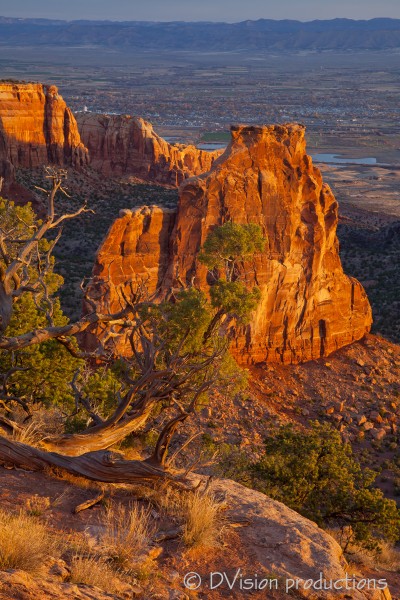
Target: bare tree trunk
{"type": "Point", "coordinates": [99, 437]}
{"type": "Point", "coordinates": [10, 426]}
{"type": "Point", "coordinates": [104, 466]}
{"type": "Point", "coordinates": [6, 303]}
{"type": "Point", "coordinates": [37, 336]}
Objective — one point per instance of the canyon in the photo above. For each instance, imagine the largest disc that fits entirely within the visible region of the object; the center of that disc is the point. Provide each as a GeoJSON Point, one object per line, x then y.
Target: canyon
{"type": "Point", "coordinates": [309, 307]}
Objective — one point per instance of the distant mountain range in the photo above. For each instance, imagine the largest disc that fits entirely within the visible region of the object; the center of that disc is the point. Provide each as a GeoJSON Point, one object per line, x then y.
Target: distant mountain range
{"type": "Point", "coordinates": [264, 34]}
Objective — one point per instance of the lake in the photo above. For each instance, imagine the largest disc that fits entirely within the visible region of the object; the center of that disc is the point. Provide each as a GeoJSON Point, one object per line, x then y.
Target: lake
{"type": "Point", "coordinates": [337, 159]}
{"type": "Point", "coordinates": [211, 146]}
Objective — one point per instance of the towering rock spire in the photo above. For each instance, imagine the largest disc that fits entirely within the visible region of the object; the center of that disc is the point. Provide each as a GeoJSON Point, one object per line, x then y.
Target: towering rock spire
{"type": "Point", "coordinates": [309, 307]}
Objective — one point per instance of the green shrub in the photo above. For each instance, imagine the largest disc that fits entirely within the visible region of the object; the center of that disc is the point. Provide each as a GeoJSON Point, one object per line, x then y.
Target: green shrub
{"type": "Point", "coordinates": [44, 370]}
{"type": "Point", "coordinates": [317, 475]}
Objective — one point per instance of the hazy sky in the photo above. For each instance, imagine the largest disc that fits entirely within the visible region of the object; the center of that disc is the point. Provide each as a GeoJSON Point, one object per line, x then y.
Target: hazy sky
{"type": "Point", "coordinates": [200, 10]}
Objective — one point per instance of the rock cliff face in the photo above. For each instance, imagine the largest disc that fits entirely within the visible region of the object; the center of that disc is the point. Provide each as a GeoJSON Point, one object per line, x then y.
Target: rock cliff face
{"type": "Point", "coordinates": [36, 128]}
{"type": "Point", "coordinates": [308, 307]}
{"type": "Point", "coordinates": [136, 250]}
{"type": "Point", "coordinates": [125, 145]}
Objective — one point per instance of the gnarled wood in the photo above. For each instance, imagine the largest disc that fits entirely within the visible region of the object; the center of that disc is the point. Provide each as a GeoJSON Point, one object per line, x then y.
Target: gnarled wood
{"type": "Point", "coordinates": [10, 426]}
{"type": "Point", "coordinates": [104, 466]}
{"type": "Point", "coordinates": [5, 305]}
{"type": "Point", "coordinates": [37, 336]}
{"type": "Point", "coordinates": [89, 503]}
{"type": "Point", "coordinates": [99, 437]}
{"type": "Point", "coordinates": [151, 387]}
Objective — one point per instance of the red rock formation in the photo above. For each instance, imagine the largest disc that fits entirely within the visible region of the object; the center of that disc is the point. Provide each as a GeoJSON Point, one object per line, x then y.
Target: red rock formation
{"type": "Point", "coordinates": [135, 250]}
{"type": "Point", "coordinates": [36, 128]}
{"type": "Point", "coordinates": [124, 145]}
{"type": "Point", "coordinates": [308, 307]}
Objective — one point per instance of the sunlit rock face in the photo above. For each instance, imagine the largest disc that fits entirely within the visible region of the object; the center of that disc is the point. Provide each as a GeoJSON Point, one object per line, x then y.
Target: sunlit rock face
{"type": "Point", "coordinates": [308, 307]}
{"type": "Point", "coordinates": [122, 145]}
{"type": "Point", "coordinates": [135, 253]}
{"type": "Point", "coordinates": [36, 128]}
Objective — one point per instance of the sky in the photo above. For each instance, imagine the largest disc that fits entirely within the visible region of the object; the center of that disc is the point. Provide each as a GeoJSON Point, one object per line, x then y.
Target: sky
{"type": "Point", "coordinates": [200, 10]}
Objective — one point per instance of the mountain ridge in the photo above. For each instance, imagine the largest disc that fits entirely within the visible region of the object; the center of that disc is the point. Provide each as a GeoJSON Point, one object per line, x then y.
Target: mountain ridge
{"type": "Point", "coordinates": [262, 34]}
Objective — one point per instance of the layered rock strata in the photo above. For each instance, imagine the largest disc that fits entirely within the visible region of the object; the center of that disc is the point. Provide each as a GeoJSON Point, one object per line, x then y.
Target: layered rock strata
{"type": "Point", "coordinates": [135, 252]}
{"type": "Point", "coordinates": [121, 145]}
{"type": "Point", "coordinates": [309, 307]}
{"type": "Point", "coordinates": [36, 128]}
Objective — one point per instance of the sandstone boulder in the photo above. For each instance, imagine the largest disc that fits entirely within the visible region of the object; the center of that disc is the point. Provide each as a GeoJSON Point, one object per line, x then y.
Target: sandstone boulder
{"type": "Point", "coordinates": [290, 547]}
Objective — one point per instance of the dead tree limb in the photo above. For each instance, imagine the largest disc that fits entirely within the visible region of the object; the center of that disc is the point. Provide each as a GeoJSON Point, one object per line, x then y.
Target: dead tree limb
{"type": "Point", "coordinates": [10, 426]}
{"type": "Point", "coordinates": [104, 466]}
{"type": "Point", "coordinates": [37, 336]}
{"type": "Point", "coordinates": [89, 503]}
{"type": "Point", "coordinates": [14, 272]}
{"type": "Point", "coordinates": [98, 437]}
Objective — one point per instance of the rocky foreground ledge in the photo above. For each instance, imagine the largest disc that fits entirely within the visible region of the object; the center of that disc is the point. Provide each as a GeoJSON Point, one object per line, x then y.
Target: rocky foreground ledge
{"type": "Point", "coordinates": [264, 541]}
